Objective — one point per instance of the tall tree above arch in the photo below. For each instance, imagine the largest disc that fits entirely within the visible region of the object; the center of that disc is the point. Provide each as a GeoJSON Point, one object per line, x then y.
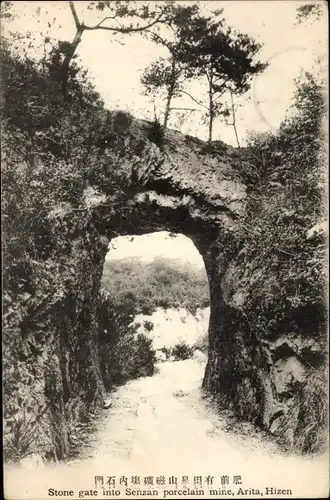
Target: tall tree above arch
{"type": "Point", "coordinates": [224, 57]}
{"type": "Point", "coordinates": [168, 74]}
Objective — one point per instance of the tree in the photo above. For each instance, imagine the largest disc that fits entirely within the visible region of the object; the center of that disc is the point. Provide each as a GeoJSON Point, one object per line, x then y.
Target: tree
{"type": "Point", "coordinates": [164, 75]}
{"type": "Point", "coordinates": [122, 17]}
{"type": "Point", "coordinates": [234, 118]}
{"type": "Point", "coordinates": [222, 56]}
{"type": "Point", "coordinates": [310, 11]}
{"type": "Point", "coordinates": [6, 10]}
{"type": "Point", "coordinates": [169, 74]}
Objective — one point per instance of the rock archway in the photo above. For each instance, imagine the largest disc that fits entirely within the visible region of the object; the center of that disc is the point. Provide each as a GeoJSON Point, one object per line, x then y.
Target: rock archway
{"type": "Point", "coordinates": [188, 188]}
{"type": "Point", "coordinates": [144, 183]}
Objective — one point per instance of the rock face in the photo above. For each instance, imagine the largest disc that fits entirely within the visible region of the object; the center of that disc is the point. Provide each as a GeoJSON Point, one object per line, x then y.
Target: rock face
{"type": "Point", "coordinates": [179, 185]}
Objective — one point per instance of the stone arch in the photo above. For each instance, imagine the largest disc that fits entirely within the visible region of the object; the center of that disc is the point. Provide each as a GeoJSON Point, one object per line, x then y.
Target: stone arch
{"type": "Point", "coordinates": [179, 185]}
{"type": "Point", "coordinates": [187, 188]}
{"type": "Point", "coordinates": [183, 185]}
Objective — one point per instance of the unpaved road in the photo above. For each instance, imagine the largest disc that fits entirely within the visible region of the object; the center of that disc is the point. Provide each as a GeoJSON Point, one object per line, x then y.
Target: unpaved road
{"type": "Point", "coordinates": [162, 425]}
{"type": "Point", "coordinates": [162, 420]}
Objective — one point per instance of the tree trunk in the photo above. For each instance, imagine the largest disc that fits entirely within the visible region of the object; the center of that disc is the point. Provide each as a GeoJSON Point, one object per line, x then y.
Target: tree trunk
{"type": "Point", "coordinates": [211, 110]}
{"type": "Point", "coordinates": [73, 46]}
{"type": "Point", "coordinates": [169, 95]}
{"type": "Point", "coordinates": [69, 55]}
{"type": "Point", "coordinates": [168, 107]}
{"type": "Point", "coordinates": [234, 118]}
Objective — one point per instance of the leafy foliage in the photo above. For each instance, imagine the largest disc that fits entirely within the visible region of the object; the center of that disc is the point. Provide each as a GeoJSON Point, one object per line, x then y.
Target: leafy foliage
{"type": "Point", "coordinates": [225, 58]}
{"type": "Point", "coordinates": [203, 47]}
{"type": "Point", "coordinates": [159, 283]}
{"type": "Point", "coordinates": [182, 351]}
{"type": "Point", "coordinates": [165, 77]}
{"type": "Point", "coordinates": [157, 75]}
{"type": "Point", "coordinates": [130, 286]}
{"type": "Point", "coordinates": [310, 11]}
{"type": "Point", "coordinates": [124, 354]}
{"type": "Point", "coordinates": [20, 441]}
{"type": "Point", "coordinates": [287, 202]}
{"type": "Point", "coordinates": [53, 147]}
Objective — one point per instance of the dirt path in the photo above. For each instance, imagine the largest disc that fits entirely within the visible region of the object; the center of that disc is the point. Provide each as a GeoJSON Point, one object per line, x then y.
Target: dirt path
{"type": "Point", "coordinates": [155, 420]}
{"type": "Point", "coordinates": [162, 425]}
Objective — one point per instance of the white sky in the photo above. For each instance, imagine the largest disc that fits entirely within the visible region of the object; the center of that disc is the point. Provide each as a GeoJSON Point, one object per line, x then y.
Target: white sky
{"type": "Point", "coordinates": [116, 70]}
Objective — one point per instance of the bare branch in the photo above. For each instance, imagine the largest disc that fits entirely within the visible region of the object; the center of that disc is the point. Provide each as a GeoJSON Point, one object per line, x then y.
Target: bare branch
{"type": "Point", "coordinates": [220, 95]}
{"type": "Point", "coordinates": [185, 109]}
{"type": "Point", "coordinates": [195, 100]}
{"type": "Point", "coordinates": [122, 29]}
{"type": "Point", "coordinates": [75, 15]}
{"type": "Point", "coordinates": [105, 19]}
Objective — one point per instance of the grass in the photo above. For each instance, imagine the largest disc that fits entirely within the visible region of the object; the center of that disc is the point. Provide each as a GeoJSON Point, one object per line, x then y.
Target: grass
{"type": "Point", "coordinates": [20, 440]}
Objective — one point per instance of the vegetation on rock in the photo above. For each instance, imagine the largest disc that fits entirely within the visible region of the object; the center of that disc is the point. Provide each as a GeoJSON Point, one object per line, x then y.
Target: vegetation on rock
{"type": "Point", "coordinates": [276, 282]}
{"type": "Point", "coordinates": [287, 202]}
{"type": "Point", "coordinates": [51, 150]}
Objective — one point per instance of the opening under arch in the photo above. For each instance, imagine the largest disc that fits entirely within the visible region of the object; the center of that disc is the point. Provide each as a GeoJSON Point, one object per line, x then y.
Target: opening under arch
{"type": "Point", "coordinates": [154, 286]}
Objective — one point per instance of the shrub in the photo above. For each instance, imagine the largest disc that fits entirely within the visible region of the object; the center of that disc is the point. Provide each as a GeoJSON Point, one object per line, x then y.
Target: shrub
{"type": "Point", "coordinates": [182, 351]}
{"type": "Point", "coordinates": [122, 120]}
{"type": "Point", "coordinates": [285, 204]}
{"type": "Point", "coordinates": [313, 414]}
{"type": "Point", "coordinates": [132, 357]}
{"type": "Point", "coordinates": [148, 325]}
{"type": "Point", "coordinates": [124, 354]}
{"type": "Point", "coordinates": [20, 435]}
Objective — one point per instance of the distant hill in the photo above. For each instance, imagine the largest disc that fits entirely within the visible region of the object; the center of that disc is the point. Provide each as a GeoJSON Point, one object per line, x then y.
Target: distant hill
{"type": "Point", "coordinates": [163, 282]}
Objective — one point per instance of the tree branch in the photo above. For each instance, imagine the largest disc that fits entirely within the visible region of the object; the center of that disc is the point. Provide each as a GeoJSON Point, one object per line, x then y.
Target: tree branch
{"type": "Point", "coordinates": [185, 109]}
{"type": "Point", "coordinates": [108, 17]}
{"type": "Point", "coordinates": [234, 117]}
{"type": "Point", "coordinates": [191, 97]}
{"type": "Point", "coordinates": [73, 46]}
{"type": "Point", "coordinates": [219, 95]}
{"type": "Point", "coordinates": [75, 16]}
{"type": "Point", "coordinates": [218, 88]}
{"type": "Point", "coordinates": [122, 29]}
{"type": "Point", "coordinates": [81, 27]}
{"type": "Point", "coordinates": [207, 75]}
{"type": "Point", "coordinates": [159, 38]}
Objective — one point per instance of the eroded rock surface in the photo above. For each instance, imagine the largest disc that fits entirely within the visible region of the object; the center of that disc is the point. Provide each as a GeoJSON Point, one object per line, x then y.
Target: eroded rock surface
{"type": "Point", "coordinates": [180, 185]}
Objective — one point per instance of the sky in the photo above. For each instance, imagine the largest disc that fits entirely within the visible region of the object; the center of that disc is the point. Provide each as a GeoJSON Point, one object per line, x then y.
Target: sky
{"type": "Point", "coordinates": [116, 69]}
